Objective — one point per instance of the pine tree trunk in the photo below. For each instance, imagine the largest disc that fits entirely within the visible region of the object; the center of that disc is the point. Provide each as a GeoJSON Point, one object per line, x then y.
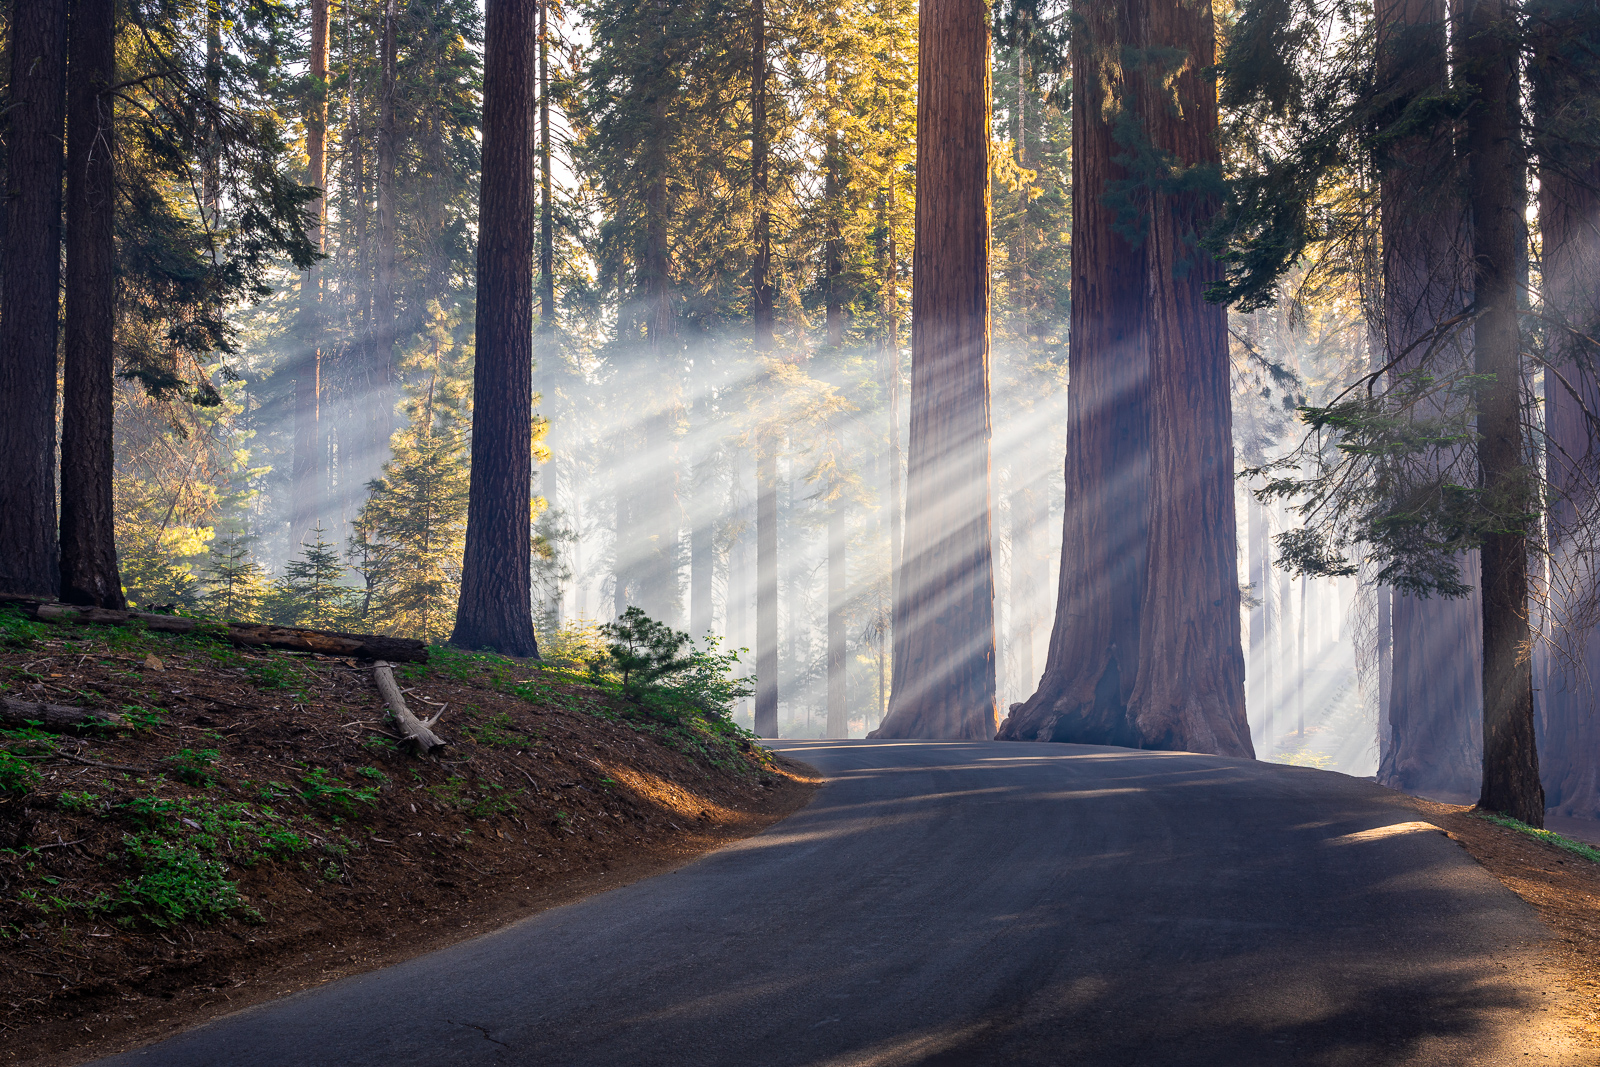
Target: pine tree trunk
{"type": "Point", "coordinates": [495, 609]}
{"type": "Point", "coordinates": [1569, 206]}
{"type": "Point", "coordinates": [1259, 671]}
{"type": "Point", "coordinates": [891, 373]}
{"type": "Point", "coordinates": [29, 298]}
{"type": "Point", "coordinates": [88, 532]}
{"type": "Point", "coordinates": [766, 711]}
{"type": "Point", "coordinates": [1189, 693]}
{"type": "Point", "coordinates": [838, 707]}
{"type": "Point", "coordinates": [1094, 645]}
{"type": "Point", "coordinates": [211, 168]}
{"type": "Point", "coordinates": [1433, 744]}
{"type": "Point", "coordinates": [547, 241]}
{"type": "Point", "coordinates": [1498, 194]}
{"type": "Point", "coordinates": [380, 406]}
{"type": "Point", "coordinates": [307, 495]}
{"type": "Point", "coordinates": [702, 556]}
{"type": "Point", "coordinates": [944, 632]}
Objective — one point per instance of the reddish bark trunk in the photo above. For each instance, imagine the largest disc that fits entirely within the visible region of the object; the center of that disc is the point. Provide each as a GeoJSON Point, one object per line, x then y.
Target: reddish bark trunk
{"type": "Point", "coordinates": [1094, 646]}
{"type": "Point", "coordinates": [1569, 220]}
{"type": "Point", "coordinates": [944, 656]}
{"type": "Point", "coordinates": [1433, 743]}
{"type": "Point", "coordinates": [30, 294]}
{"type": "Point", "coordinates": [88, 532]}
{"type": "Point", "coordinates": [763, 320]}
{"type": "Point", "coordinates": [1189, 692]}
{"type": "Point", "coordinates": [495, 610]}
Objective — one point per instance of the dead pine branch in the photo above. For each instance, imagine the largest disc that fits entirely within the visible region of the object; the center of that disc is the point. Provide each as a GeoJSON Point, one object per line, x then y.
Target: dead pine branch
{"type": "Point", "coordinates": [411, 728]}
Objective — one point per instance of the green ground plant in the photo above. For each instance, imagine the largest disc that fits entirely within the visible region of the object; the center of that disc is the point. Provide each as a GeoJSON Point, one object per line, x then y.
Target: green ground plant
{"type": "Point", "coordinates": [1577, 848]}
{"type": "Point", "coordinates": [323, 789]}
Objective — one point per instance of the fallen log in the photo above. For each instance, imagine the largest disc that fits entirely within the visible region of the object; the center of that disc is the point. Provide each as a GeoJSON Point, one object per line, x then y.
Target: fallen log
{"type": "Point", "coordinates": [57, 717]}
{"type": "Point", "coordinates": [258, 635]}
{"type": "Point", "coordinates": [410, 727]}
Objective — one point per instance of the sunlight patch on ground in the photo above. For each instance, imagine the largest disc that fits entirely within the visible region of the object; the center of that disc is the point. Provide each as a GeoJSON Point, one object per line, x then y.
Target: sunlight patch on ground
{"type": "Point", "coordinates": [1398, 829]}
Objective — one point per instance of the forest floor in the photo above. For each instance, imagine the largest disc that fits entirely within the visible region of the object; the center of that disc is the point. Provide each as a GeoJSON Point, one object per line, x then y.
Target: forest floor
{"type": "Point", "coordinates": [1563, 887]}
{"type": "Point", "coordinates": [259, 830]}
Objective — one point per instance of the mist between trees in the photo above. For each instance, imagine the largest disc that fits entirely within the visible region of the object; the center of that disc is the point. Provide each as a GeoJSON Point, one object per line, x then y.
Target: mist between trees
{"type": "Point", "coordinates": [723, 207]}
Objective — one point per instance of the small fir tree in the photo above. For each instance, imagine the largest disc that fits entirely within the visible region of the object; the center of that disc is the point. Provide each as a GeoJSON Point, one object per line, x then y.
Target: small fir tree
{"type": "Point", "coordinates": [236, 584]}
{"type": "Point", "coordinates": [310, 593]}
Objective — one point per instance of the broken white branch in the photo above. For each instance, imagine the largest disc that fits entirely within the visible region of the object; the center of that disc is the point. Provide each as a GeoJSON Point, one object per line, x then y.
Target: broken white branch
{"type": "Point", "coordinates": [408, 725]}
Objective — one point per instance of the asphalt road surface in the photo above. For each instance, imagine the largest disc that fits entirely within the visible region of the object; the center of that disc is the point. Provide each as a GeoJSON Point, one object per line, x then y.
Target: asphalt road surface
{"type": "Point", "coordinates": [956, 904]}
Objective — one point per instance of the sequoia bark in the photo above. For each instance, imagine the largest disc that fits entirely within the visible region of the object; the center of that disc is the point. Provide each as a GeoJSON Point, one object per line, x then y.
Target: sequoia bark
{"type": "Point", "coordinates": [944, 634]}
{"type": "Point", "coordinates": [1093, 654]}
{"type": "Point", "coordinates": [1569, 214]}
{"type": "Point", "coordinates": [1434, 740]}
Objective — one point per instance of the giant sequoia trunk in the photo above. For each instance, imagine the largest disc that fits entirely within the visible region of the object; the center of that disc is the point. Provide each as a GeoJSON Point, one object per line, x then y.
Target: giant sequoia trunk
{"type": "Point", "coordinates": [306, 500]}
{"type": "Point", "coordinates": [1146, 647]}
{"type": "Point", "coordinates": [29, 297]}
{"type": "Point", "coordinates": [1569, 220]}
{"type": "Point", "coordinates": [764, 322]}
{"type": "Point", "coordinates": [944, 638]}
{"type": "Point", "coordinates": [1498, 195]}
{"type": "Point", "coordinates": [1093, 654]}
{"type": "Point", "coordinates": [1189, 691]}
{"type": "Point", "coordinates": [495, 610]}
{"type": "Point", "coordinates": [1433, 741]}
{"type": "Point", "coordinates": [88, 533]}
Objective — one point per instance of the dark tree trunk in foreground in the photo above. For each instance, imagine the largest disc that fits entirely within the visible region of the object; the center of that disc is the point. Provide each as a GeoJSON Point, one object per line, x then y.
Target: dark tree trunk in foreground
{"type": "Point", "coordinates": [307, 496]}
{"type": "Point", "coordinates": [944, 639]}
{"type": "Point", "coordinates": [1189, 693]}
{"type": "Point", "coordinates": [838, 708]}
{"type": "Point", "coordinates": [1433, 743]}
{"type": "Point", "coordinates": [1093, 655]}
{"type": "Point", "coordinates": [764, 321]}
{"type": "Point", "coordinates": [1569, 211]}
{"type": "Point", "coordinates": [88, 533]}
{"type": "Point", "coordinates": [29, 298]}
{"type": "Point", "coordinates": [1498, 193]}
{"type": "Point", "coordinates": [495, 610]}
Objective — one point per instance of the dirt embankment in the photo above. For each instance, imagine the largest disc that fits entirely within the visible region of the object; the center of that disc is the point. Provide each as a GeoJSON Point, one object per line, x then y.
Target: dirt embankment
{"type": "Point", "coordinates": [1564, 888]}
{"type": "Point", "coordinates": [259, 830]}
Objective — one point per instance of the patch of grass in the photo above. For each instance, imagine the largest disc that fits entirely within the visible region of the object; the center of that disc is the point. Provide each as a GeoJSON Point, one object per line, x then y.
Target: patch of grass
{"type": "Point", "coordinates": [324, 790]}
{"type": "Point", "coordinates": [193, 766]}
{"type": "Point", "coordinates": [176, 882]}
{"type": "Point", "coordinates": [17, 775]}
{"type": "Point", "coordinates": [1577, 848]}
{"type": "Point", "coordinates": [19, 631]}
{"type": "Point", "coordinates": [499, 730]}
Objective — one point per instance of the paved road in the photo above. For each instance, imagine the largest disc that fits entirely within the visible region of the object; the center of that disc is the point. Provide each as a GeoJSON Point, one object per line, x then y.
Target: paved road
{"type": "Point", "coordinates": [956, 904]}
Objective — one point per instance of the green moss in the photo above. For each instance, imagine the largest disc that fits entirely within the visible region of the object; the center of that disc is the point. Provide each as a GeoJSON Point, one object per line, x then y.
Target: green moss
{"type": "Point", "coordinates": [1577, 848]}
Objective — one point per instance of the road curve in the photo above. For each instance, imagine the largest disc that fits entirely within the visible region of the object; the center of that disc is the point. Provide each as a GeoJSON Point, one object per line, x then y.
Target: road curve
{"type": "Point", "coordinates": [962, 904]}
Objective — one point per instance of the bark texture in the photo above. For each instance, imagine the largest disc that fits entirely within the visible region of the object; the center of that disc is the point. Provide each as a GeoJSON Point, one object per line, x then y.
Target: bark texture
{"type": "Point", "coordinates": [307, 498]}
{"type": "Point", "coordinates": [88, 536]}
{"type": "Point", "coordinates": [764, 321]}
{"type": "Point", "coordinates": [1189, 690]}
{"type": "Point", "coordinates": [1498, 193]}
{"type": "Point", "coordinates": [1569, 220]}
{"type": "Point", "coordinates": [495, 610]}
{"type": "Point", "coordinates": [29, 298]}
{"type": "Point", "coordinates": [1434, 738]}
{"type": "Point", "coordinates": [838, 706]}
{"type": "Point", "coordinates": [1093, 654]}
{"type": "Point", "coordinates": [944, 631]}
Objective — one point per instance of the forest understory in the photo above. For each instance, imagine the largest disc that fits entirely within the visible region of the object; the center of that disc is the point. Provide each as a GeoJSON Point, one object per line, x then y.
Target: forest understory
{"type": "Point", "coordinates": [258, 830]}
